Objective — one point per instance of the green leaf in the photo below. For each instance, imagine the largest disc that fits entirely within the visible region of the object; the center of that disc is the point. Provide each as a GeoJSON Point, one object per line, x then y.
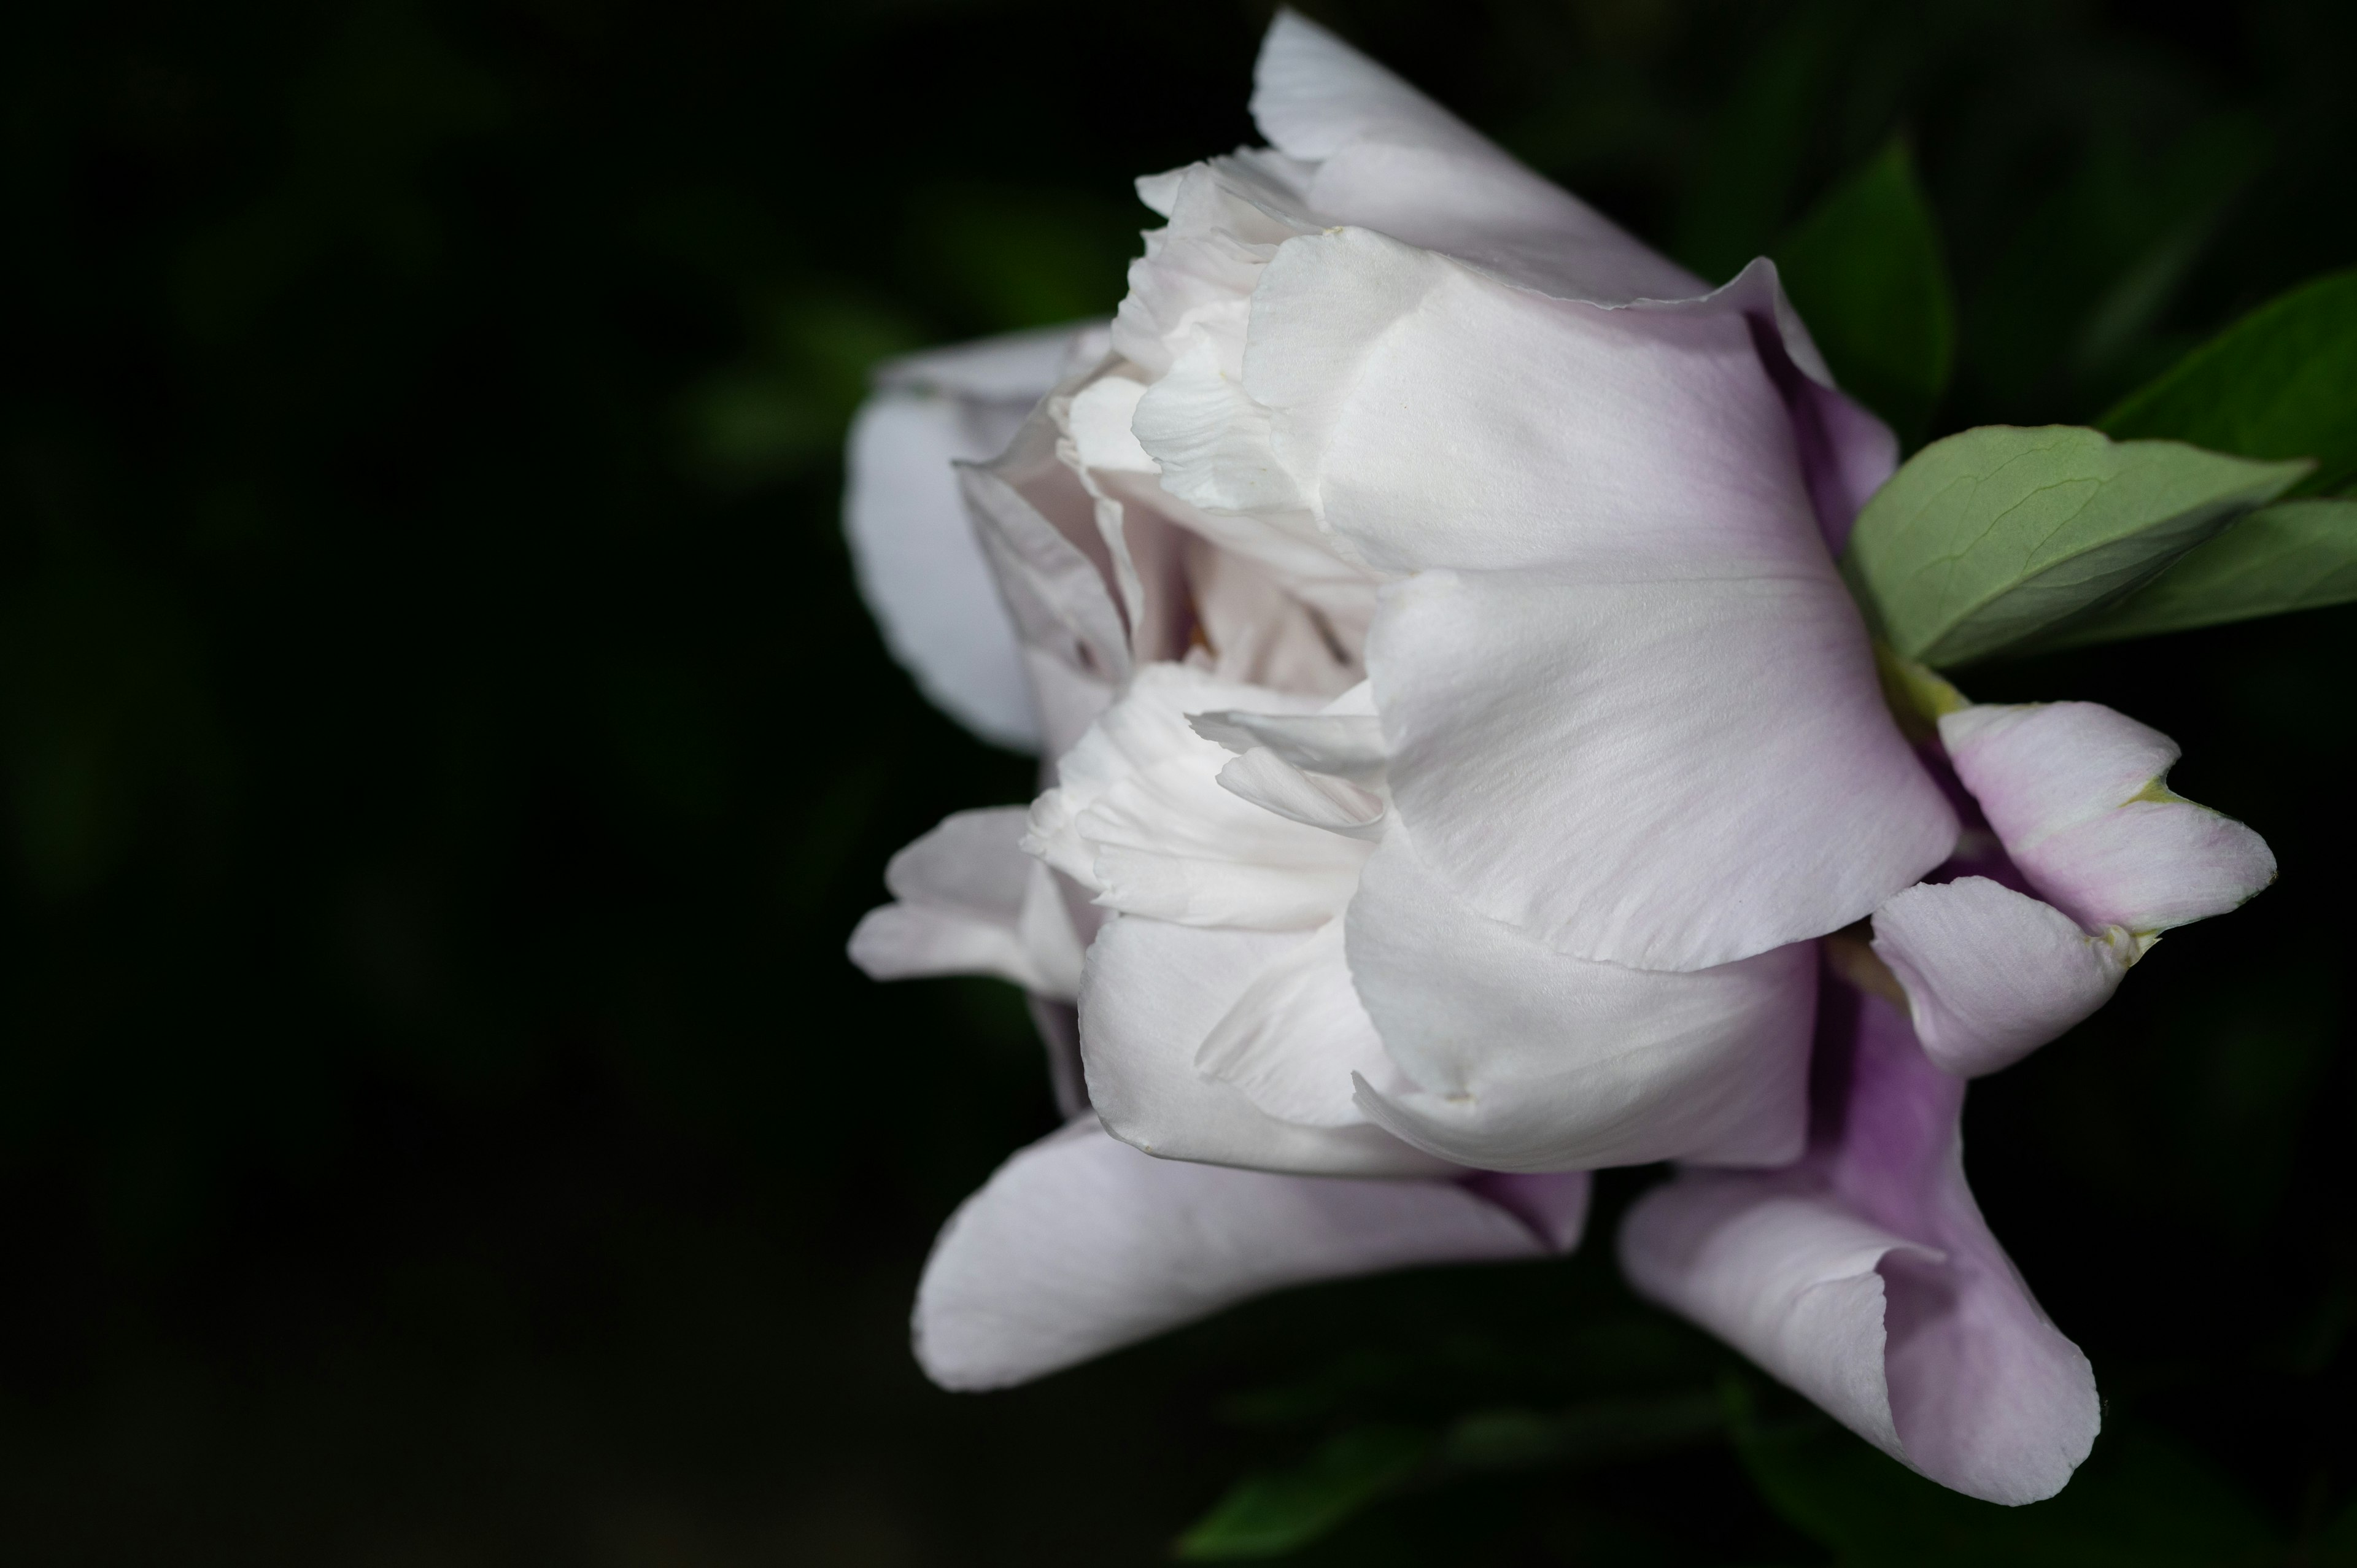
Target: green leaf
{"type": "Point", "coordinates": [1272, 1513]}
{"type": "Point", "coordinates": [1987, 539]}
{"type": "Point", "coordinates": [2281, 382]}
{"type": "Point", "coordinates": [1864, 271]}
{"type": "Point", "coordinates": [2294, 555]}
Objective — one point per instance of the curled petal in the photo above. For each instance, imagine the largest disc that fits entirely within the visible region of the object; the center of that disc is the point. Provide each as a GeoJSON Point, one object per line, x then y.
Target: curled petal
{"type": "Point", "coordinates": [1991, 974]}
{"type": "Point", "coordinates": [2077, 793]}
{"type": "Point", "coordinates": [971, 902]}
{"type": "Point", "coordinates": [1523, 1059]}
{"type": "Point", "coordinates": [1343, 740]}
{"type": "Point", "coordinates": [1080, 1245]}
{"type": "Point", "coordinates": [1152, 998]}
{"type": "Point", "coordinates": [1669, 775]}
{"type": "Point", "coordinates": [1313, 799]}
{"type": "Point", "coordinates": [1138, 817]}
{"type": "Point", "coordinates": [912, 550]}
{"type": "Point", "coordinates": [1866, 1277]}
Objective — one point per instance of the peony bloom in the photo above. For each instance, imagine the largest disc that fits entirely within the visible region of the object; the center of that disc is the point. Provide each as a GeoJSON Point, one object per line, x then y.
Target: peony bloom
{"type": "Point", "coordinates": [1465, 762]}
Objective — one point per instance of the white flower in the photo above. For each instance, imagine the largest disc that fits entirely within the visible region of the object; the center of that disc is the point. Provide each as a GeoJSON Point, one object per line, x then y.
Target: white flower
{"type": "Point", "coordinates": [1462, 742]}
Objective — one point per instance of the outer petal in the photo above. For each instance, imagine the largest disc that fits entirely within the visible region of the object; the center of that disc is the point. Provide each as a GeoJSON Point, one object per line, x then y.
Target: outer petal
{"type": "Point", "coordinates": [1388, 157]}
{"type": "Point", "coordinates": [1080, 1245]}
{"type": "Point", "coordinates": [1991, 974]}
{"type": "Point", "coordinates": [1868, 1279]}
{"type": "Point", "coordinates": [1153, 994]}
{"type": "Point", "coordinates": [1668, 775]}
{"type": "Point", "coordinates": [1526, 1060]}
{"type": "Point", "coordinates": [2077, 793]}
{"type": "Point", "coordinates": [971, 902]}
{"type": "Point", "coordinates": [915, 556]}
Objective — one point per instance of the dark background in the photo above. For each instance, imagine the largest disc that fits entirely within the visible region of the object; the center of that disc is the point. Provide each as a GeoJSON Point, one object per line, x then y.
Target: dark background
{"type": "Point", "coordinates": [443, 757]}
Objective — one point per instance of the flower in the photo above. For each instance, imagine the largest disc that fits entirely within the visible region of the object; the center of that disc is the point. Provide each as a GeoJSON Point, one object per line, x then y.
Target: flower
{"type": "Point", "coordinates": [1466, 759]}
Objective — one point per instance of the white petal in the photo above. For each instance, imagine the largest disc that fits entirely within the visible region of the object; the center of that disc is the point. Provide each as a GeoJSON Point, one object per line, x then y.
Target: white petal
{"type": "Point", "coordinates": [1080, 1245]}
{"type": "Point", "coordinates": [1053, 581]}
{"type": "Point", "coordinates": [972, 903]}
{"type": "Point", "coordinates": [1389, 159]}
{"type": "Point", "coordinates": [919, 566]}
{"type": "Point", "coordinates": [1139, 819]}
{"type": "Point", "coordinates": [1527, 1059]}
{"type": "Point", "coordinates": [1616, 442]}
{"type": "Point", "coordinates": [1151, 995]}
{"type": "Point", "coordinates": [1669, 775]}
{"type": "Point", "coordinates": [2077, 793]}
{"type": "Point", "coordinates": [1991, 974]}
{"type": "Point", "coordinates": [1313, 799]}
{"type": "Point", "coordinates": [1013, 367]}
{"type": "Point", "coordinates": [1260, 626]}
{"type": "Point", "coordinates": [1297, 1038]}
{"type": "Point", "coordinates": [1344, 740]}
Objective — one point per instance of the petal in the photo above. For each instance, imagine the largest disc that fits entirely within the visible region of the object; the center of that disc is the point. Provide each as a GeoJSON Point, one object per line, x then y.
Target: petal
{"type": "Point", "coordinates": [1313, 799]}
{"type": "Point", "coordinates": [918, 564]}
{"type": "Point", "coordinates": [1632, 443]}
{"type": "Point", "coordinates": [1867, 1278]}
{"type": "Point", "coordinates": [1075, 645]}
{"type": "Point", "coordinates": [919, 567]}
{"type": "Point", "coordinates": [1669, 775]}
{"type": "Point", "coordinates": [2076, 791]}
{"type": "Point", "coordinates": [972, 903]}
{"type": "Point", "coordinates": [1013, 367]}
{"type": "Point", "coordinates": [1138, 817]}
{"type": "Point", "coordinates": [1389, 159]}
{"type": "Point", "coordinates": [1151, 997]}
{"type": "Point", "coordinates": [1525, 1060]}
{"type": "Point", "coordinates": [1783, 1273]}
{"type": "Point", "coordinates": [1080, 1245]}
{"type": "Point", "coordinates": [1991, 974]}
{"type": "Point", "coordinates": [1298, 1039]}
{"type": "Point", "coordinates": [1344, 740]}
{"type": "Point", "coordinates": [1553, 1204]}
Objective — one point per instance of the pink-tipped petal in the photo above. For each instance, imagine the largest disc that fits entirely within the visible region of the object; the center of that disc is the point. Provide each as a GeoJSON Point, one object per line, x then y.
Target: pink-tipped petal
{"type": "Point", "coordinates": [1521, 1058]}
{"type": "Point", "coordinates": [1867, 1278]}
{"type": "Point", "coordinates": [1080, 1245]}
{"type": "Point", "coordinates": [1991, 974]}
{"type": "Point", "coordinates": [2079, 795]}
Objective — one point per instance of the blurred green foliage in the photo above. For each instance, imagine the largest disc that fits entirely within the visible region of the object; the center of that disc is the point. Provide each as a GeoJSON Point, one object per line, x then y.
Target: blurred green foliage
{"type": "Point", "coordinates": [442, 756]}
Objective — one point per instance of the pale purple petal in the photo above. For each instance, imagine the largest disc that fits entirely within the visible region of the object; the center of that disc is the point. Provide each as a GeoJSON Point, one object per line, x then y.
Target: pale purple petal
{"type": "Point", "coordinates": [1151, 997]}
{"type": "Point", "coordinates": [1669, 775]}
{"type": "Point", "coordinates": [2078, 794]}
{"type": "Point", "coordinates": [1080, 1245]}
{"type": "Point", "coordinates": [1523, 1059]}
{"type": "Point", "coordinates": [1991, 974]}
{"type": "Point", "coordinates": [1867, 1278]}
